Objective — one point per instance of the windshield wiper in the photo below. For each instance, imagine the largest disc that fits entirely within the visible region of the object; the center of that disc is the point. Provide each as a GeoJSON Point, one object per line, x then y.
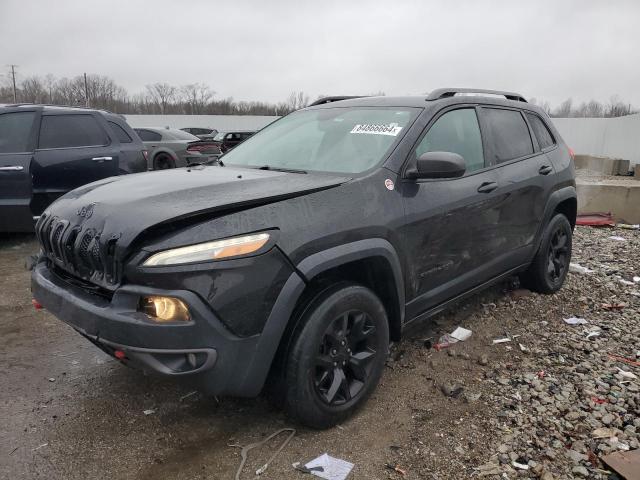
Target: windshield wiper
{"type": "Point", "coordinates": [281, 169]}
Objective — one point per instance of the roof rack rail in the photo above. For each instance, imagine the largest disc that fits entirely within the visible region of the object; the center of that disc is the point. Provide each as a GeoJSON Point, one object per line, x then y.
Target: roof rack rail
{"type": "Point", "coordinates": [450, 92]}
{"type": "Point", "coordinates": [323, 100]}
{"type": "Point", "coordinates": [59, 105]}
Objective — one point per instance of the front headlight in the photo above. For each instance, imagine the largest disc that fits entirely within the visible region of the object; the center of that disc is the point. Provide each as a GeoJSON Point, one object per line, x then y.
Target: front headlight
{"type": "Point", "coordinates": [202, 252]}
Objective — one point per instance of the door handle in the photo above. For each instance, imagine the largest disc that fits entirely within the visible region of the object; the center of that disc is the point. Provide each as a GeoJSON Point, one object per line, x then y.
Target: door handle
{"type": "Point", "coordinates": [101, 159]}
{"type": "Point", "coordinates": [545, 170]}
{"type": "Point", "coordinates": [487, 187]}
{"type": "Point", "coordinates": [12, 168]}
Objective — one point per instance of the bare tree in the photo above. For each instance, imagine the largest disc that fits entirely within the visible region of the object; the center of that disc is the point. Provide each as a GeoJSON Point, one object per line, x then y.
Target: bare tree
{"type": "Point", "coordinates": [33, 90]}
{"type": "Point", "coordinates": [564, 110]}
{"type": "Point", "coordinates": [162, 94]}
{"type": "Point", "coordinates": [196, 96]}
{"type": "Point", "coordinates": [617, 108]}
{"type": "Point", "coordinates": [543, 104]}
{"type": "Point", "coordinates": [297, 100]}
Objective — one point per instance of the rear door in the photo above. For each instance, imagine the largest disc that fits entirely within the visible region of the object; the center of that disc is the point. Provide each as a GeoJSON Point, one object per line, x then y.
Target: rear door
{"type": "Point", "coordinates": [17, 142]}
{"type": "Point", "coordinates": [521, 172]}
{"type": "Point", "coordinates": [73, 149]}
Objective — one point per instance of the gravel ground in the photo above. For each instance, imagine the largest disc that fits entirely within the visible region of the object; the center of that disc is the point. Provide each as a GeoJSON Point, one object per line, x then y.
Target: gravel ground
{"type": "Point", "coordinates": [551, 398]}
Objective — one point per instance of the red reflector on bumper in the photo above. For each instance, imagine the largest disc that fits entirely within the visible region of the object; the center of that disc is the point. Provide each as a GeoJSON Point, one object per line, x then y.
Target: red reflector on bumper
{"type": "Point", "coordinates": [120, 355]}
{"type": "Point", "coordinates": [37, 305]}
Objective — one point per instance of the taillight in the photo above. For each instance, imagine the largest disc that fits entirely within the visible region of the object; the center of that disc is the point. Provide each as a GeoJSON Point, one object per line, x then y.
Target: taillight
{"type": "Point", "coordinates": [572, 153]}
{"type": "Point", "coordinates": [196, 148]}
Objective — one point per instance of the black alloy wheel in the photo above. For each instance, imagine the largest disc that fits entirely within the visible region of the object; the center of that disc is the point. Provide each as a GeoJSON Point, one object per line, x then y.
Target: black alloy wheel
{"type": "Point", "coordinates": [336, 355]}
{"type": "Point", "coordinates": [558, 260]}
{"type": "Point", "coordinates": [344, 359]}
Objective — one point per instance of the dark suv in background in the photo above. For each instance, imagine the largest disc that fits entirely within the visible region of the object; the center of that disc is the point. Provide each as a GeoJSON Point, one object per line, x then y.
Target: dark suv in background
{"type": "Point", "coordinates": [317, 242]}
{"type": "Point", "coordinates": [46, 151]}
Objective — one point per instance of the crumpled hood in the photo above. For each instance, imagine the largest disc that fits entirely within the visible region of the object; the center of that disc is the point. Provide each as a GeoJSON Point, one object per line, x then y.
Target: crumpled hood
{"type": "Point", "coordinates": [118, 209]}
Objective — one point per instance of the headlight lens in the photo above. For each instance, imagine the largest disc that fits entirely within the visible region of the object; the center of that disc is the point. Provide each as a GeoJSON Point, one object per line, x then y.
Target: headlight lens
{"type": "Point", "coordinates": [217, 250]}
{"type": "Point", "coordinates": [165, 309]}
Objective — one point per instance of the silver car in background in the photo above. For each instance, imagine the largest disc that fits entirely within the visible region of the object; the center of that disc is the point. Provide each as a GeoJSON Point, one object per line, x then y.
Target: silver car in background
{"type": "Point", "coordinates": [171, 148]}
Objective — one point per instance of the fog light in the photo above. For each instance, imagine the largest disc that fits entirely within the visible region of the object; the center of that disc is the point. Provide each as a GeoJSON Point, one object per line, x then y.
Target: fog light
{"type": "Point", "coordinates": [165, 309]}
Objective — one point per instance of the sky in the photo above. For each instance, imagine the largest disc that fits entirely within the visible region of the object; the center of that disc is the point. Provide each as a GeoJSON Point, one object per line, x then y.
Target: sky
{"type": "Point", "coordinates": [263, 50]}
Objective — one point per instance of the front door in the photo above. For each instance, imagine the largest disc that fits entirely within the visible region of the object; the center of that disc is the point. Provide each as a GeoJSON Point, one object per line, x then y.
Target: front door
{"type": "Point", "coordinates": [17, 142]}
{"type": "Point", "coordinates": [73, 149]}
{"type": "Point", "coordinates": [452, 226]}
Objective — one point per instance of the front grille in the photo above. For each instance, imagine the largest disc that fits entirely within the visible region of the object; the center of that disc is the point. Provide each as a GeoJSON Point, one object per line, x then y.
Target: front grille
{"type": "Point", "coordinates": [78, 250]}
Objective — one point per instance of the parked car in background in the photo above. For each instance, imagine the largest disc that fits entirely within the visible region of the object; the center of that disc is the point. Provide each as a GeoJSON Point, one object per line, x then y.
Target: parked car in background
{"type": "Point", "coordinates": [227, 140]}
{"type": "Point", "coordinates": [201, 133]}
{"type": "Point", "coordinates": [171, 148]}
{"type": "Point", "coordinates": [319, 241]}
{"type": "Point", "coordinates": [46, 151]}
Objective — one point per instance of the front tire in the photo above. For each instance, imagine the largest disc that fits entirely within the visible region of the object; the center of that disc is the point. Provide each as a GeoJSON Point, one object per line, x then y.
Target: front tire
{"type": "Point", "coordinates": [337, 357]}
{"type": "Point", "coordinates": [550, 266]}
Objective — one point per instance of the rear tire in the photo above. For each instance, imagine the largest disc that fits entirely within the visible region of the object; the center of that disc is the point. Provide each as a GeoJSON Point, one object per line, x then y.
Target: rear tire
{"type": "Point", "coordinates": [163, 161]}
{"type": "Point", "coordinates": [337, 355]}
{"type": "Point", "coordinates": [550, 266]}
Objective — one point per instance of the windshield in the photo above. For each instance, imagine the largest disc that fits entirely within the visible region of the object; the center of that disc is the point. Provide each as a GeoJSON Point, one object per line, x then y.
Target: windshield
{"type": "Point", "coordinates": [345, 140]}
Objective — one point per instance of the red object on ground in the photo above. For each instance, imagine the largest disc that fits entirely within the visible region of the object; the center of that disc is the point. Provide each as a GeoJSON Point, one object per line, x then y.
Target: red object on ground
{"type": "Point", "coordinates": [596, 219]}
{"type": "Point", "coordinates": [599, 401]}
{"type": "Point", "coordinates": [120, 355]}
{"type": "Point", "coordinates": [37, 305]}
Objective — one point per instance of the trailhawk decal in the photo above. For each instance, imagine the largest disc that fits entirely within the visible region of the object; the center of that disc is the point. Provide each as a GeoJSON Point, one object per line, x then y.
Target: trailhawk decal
{"type": "Point", "coordinates": [392, 129]}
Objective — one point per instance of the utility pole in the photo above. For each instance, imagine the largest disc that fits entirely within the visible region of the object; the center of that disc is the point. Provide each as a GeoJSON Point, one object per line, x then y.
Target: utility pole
{"type": "Point", "coordinates": [13, 76]}
{"type": "Point", "coordinates": [86, 92]}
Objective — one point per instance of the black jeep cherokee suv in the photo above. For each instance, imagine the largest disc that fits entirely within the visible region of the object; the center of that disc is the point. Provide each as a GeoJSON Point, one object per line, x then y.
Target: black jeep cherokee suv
{"type": "Point", "coordinates": [295, 263]}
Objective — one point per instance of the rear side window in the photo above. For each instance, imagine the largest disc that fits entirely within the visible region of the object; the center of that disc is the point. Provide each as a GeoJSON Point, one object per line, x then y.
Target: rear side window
{"type": "Point", "coordinates": [15, 130]}
{"type": "Point", "coordinates": [507, 134]}
{"type": "Point", "coordinates": [120, 133]}
{"type": "Point", "coordinates": [456, 132]}
{"type": "Point", "coordinates": [541, 131]}
{"type": "Point", "coordinates": [64, 131]}
{"type": "Point", "coordinates": [148, 135]}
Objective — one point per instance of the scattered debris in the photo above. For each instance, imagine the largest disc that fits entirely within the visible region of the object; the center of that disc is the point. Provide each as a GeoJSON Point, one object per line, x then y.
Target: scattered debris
{"type": "Point", "coordinates": [150, 411]}
{"type": "Point", "coordinates": [603, 432]}
{"type": "Point", "coordinates": [501, 340]}
{"type": "Point", "coordinates": [613, 306]}
{"type": "Point", "coordinates": [577, 268]}
{"type": "Point", "coordinates": [593, 333]}
{"type": "Point", "coordinates": [51, 379]}
{"type": "Point", "coordinates": [627, 464]}
{"type": "Point", "coordinates": [245, 451]}
{"type": "Point", "coordinates": [332, 468]}
{"type": "Point", "coordinates": [618, 238]}
{"type": "Point", "coordinates": [301, 468]}
{"type": "Point", "coordinates": [396, 469]}
{"type": "Point", "coordinates": [599, 219]}
{"type": "Point", "coordinates": [41, 446]}
{"type": "Point", "coordinates": [624, 360]}
{"type": "Point", "coordinates": [575, 321]}
{"type": "Point", "coordinates": [184, 397]}
{"type": "Point", "coordinates": [627, 226]}
{"type": "Point", "coordinates": [458, 335]}
{"type": "Point", "coordinates": [625, 282]}
{"type": "Point", "coordinates": [625, 374]}
{"type": "Point", "coordinates": [451, 389]}
{"type": "Point", "coordinates": [523, 349]}
{"type": "Point", "coordinates": [520, 466]}
{"type": "Point", "coordinates": [636, 279]}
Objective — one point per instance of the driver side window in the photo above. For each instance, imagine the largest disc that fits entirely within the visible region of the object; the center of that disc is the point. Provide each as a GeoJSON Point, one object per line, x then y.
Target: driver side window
{"type": "Point", "coordinates": [458, 132]}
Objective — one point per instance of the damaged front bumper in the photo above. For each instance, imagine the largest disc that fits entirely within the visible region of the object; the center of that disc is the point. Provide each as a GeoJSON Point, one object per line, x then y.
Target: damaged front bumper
{"type": "Point", "coordinates": [202, 351]}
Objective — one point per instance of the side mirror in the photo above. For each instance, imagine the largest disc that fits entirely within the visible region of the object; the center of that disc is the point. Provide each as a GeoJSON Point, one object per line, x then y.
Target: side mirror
{"type": "Point", "coordinates": [438, 165]}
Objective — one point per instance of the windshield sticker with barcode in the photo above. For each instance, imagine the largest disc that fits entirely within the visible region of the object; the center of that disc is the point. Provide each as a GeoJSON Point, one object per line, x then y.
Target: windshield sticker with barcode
{"type": "Point", "coordinates": [392, 129]}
